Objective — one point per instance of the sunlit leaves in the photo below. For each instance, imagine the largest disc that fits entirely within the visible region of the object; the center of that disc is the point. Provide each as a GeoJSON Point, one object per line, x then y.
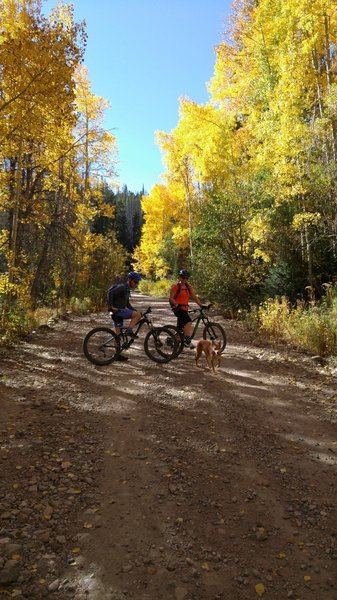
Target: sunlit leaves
{"type": "Point", "coordinates": [260, 157]}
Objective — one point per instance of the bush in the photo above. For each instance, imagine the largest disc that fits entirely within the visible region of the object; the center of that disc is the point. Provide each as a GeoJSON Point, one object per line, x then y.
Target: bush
{"type": "Point", "coordinates": [312, 327]}
{"type": "Point", "coordinates": [17, 322]}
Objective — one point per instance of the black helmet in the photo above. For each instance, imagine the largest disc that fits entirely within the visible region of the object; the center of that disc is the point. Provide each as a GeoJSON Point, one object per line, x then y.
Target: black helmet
{"type": "Point", "coordinates": [184, 273]}
{"type": "Point", "coordinates": [135, 276]}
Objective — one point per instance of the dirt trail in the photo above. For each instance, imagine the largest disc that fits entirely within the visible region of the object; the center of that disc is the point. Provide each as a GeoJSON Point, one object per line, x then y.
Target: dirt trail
{"type": "Point", "coordinates": [158, 482]}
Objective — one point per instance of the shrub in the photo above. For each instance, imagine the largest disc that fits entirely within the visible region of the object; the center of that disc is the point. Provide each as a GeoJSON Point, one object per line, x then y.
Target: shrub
{"type": "Point", "coordinates": [312, 327]}
{"type": "Point", "coordinates": [18, 321]}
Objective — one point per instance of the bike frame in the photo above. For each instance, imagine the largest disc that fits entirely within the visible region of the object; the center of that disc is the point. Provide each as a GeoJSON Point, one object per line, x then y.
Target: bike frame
{"type": "Point", "coordinates": [200, 317]}
{"type": "Point", "coordinates": [127, 341]}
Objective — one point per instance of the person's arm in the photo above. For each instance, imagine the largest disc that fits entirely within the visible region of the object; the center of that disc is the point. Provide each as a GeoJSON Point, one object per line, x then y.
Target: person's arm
{"type": "Point", "coordinates": [128, 303]}
{"type": "Point", "coordinates": [172, 297]}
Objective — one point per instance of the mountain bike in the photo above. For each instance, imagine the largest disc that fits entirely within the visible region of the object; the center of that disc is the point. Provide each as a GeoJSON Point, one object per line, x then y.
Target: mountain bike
{"type": "Point", "coordinates": [212, 331]}
{"type": "Point", "coordinates": [102, 345]}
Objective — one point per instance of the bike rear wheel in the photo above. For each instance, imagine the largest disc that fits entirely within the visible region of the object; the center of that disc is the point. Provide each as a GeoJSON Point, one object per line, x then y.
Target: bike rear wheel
{"type": "Point", "coordinates": [101, 346]}
{"type": "Point", "coordinates": [179, 336]}
{"type": "Point", "coordinates": [214, 331]}
{"type": "Point", "coordinates": [160, 345]}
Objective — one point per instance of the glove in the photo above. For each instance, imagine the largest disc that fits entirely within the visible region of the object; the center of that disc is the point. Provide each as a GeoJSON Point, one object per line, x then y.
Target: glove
{"type": "Point", "coordinates": [112, 309]}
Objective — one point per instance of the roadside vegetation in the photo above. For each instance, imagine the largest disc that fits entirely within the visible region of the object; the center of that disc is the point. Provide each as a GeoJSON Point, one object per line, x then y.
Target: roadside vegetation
{"type": "Point", "coordinates": [311, 326]}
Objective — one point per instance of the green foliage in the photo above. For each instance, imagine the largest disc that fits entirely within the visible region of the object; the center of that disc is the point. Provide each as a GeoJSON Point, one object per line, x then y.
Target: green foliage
{"type": "Point", "coordinates": [170, 253]}
{"type": "Point", "coordinates": [18, 320]}
{"type": "Point", "coordinates": [285, 279]}
{"type": "Point", "coordinates": [225, 268]}
{"type": "Point", "coordinates": [127, 217]}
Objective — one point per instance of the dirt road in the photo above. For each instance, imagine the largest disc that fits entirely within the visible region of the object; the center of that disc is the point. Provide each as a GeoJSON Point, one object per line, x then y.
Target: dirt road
{"type": "Point", "coordinates": [157, 482]}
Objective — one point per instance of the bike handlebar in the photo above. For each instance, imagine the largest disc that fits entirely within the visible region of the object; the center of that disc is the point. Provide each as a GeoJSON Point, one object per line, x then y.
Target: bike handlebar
{"type": "Point", "coordinates": [201, 308]}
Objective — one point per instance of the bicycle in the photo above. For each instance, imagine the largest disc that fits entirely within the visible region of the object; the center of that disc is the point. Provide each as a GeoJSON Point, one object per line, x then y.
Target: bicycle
{"type": "Point", "coordinates": [102, 345]}
{"type": "Point", "coordinates": [211, 331]}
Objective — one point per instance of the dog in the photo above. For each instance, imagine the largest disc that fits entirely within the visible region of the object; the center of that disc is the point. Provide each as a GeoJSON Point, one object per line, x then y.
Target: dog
{"type": "Point", "coordinates": [211, 350]}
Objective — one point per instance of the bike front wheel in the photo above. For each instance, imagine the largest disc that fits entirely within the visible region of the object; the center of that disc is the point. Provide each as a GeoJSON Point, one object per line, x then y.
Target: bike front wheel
{"type": "Point", "coordinates": [214, 331]}
{"type": "Point", "coordinates": [160, 345]}
{"type": "Point", "coordinates": [101, 346]}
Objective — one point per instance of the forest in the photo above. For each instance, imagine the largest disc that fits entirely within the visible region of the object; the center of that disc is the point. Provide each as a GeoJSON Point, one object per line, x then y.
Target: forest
{"type": "Point", "coordinates": [64, 231]}
{"type": "Point", "coordinates": [248, 199]}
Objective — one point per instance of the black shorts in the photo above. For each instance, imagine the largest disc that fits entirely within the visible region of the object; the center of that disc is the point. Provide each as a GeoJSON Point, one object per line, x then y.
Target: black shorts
{"type": "Point", "coordinates": [182, 316]}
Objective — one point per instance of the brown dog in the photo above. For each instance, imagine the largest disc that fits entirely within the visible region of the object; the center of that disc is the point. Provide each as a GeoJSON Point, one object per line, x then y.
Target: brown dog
{"type": "Point", "coordinates": [211, 351]}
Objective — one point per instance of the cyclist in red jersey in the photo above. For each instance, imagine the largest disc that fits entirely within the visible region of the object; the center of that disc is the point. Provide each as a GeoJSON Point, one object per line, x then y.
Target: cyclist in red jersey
{"type": "Point", "coordinates": [181, 293]}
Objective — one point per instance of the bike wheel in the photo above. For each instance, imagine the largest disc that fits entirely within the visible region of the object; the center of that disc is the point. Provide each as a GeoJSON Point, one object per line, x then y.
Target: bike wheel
{"type": "Point", "coordinates": [101, 346]}
{"type": "Point", "coordinates": [214, 331]}
{"type": "Point", "coordinates": [160, 345]}
{"type": "Point", "coordinates": [178, 336]}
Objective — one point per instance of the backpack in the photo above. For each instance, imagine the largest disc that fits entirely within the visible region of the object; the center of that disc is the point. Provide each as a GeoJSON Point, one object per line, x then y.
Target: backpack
{"type": "Point", "coordinates": [110, 293]}
{"type": "Point", "coordinates": [178, 292]}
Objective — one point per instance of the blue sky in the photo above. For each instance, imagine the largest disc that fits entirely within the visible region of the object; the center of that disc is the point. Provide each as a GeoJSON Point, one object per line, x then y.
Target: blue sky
{"type": "Point", "coordinates": [142, 55]}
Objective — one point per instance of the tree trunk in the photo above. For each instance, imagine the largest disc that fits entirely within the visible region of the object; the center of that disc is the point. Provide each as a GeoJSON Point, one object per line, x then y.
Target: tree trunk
{"type": "Point", "coordinates": [330, 81]}
{"type": "Point", "coordinates": [189, 207]}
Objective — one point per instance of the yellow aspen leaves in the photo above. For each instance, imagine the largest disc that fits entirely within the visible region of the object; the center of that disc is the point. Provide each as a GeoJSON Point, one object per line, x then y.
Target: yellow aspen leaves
{"type": "Point", "coordinates": [260, 589]}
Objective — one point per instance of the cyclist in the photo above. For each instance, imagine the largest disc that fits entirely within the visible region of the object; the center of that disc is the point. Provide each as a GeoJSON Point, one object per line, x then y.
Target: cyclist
{"type": "Point", "coordinates": [180, 294]}
{"type": "Point", "coordinates": [119, 305]}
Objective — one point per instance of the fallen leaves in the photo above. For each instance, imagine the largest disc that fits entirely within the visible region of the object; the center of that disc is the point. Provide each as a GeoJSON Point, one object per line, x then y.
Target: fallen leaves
{"type": "Point", "coordinates": [260, 589]}
{"type": "Point", "coordinates": [48, 513]}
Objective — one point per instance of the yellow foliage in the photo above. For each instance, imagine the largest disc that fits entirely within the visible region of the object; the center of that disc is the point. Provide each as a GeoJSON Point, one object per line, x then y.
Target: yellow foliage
{"type": "Point", "coordinates": [180, 236]}
{"type": "Point", "coordinates": [302, 220]}
{"type": "Point", "coordinates": [164, 212]}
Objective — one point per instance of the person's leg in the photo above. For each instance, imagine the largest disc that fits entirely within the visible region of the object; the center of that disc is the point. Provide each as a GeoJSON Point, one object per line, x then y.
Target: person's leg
{"type": "Point", "coordinates": [118, 322]}
{"type": "Point", "coordinates": [186, 326]}
{"type": "Point", "coordinates": [136, 317]}
{"type": "Point", "coordinates": [188, 329]}
{"type": "Point", "coordinates": [128, 314]}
